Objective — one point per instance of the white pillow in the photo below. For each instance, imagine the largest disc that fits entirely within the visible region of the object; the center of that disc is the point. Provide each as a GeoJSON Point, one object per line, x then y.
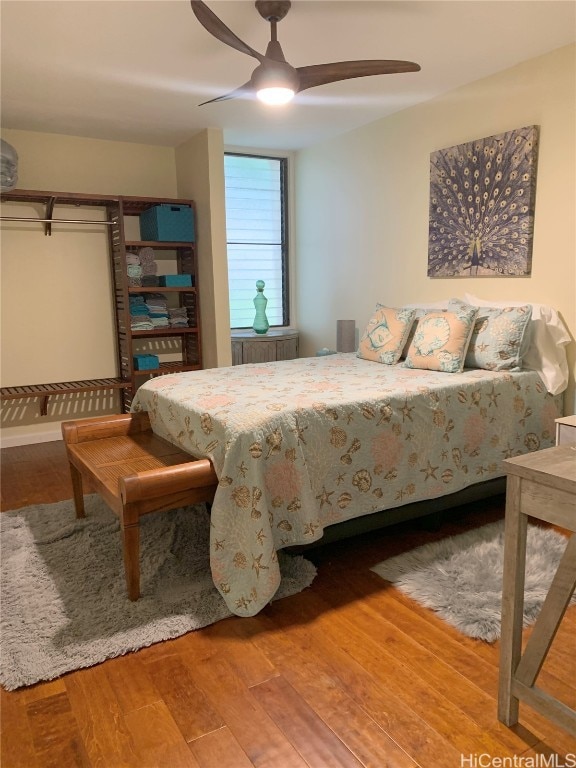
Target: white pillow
{"type": "Point", "coordinates": [428, 305]}
{"type": "Point", "coordinates": [546, 354]}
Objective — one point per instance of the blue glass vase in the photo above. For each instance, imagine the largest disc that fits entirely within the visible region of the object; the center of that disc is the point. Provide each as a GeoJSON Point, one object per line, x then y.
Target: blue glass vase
{"type": "Point", "coordinates": [261, 323]}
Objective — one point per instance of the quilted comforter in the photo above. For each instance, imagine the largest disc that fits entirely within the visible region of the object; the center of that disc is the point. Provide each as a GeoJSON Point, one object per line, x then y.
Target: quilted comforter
{"type": "Point", "coordinates": [302, 444]}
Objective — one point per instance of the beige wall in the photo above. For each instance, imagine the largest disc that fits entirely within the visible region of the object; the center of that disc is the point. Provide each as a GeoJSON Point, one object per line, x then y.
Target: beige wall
{"type": "Point", "coordinates": [200, 169]}
{"type": "Point", "coordinates": [74, 164]}
{"type": "Point", "coordinates": [362, 202]}
{"type": "Point", "coordinates": [57, 313]}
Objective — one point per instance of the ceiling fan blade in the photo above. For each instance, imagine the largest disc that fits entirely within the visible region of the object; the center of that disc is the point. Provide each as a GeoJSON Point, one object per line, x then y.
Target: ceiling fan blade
{"type": "Point", "coordinates": [244, 90]}
{"type": "Point", "coordinates": [320, 74]}
{"type": "Point", "coordinates": [219, 30]}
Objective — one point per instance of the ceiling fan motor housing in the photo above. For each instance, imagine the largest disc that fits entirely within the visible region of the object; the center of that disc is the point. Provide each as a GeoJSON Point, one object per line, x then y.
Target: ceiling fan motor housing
{"type": "Point", "coordinates": [275, 74]}
{"type": "Point", "coordinates": [273, 10]}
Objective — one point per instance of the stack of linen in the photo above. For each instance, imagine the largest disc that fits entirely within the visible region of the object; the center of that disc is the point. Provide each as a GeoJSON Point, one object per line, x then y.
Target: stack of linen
{"type": "Point", "coordinates": [149, 267]}
{"type": "Point", "coordinates": [178, 317]}
{"type": "Point", "coordinates": [134, 270]}
{"type": "Point", "coordinates": [139, 315]}
{"type": "Point", "coordinates": [157, 306]}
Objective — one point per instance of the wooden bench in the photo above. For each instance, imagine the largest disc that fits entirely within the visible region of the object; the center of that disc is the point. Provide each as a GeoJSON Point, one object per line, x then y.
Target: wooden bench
{"type": "Point", "coordinates": [135, 472]}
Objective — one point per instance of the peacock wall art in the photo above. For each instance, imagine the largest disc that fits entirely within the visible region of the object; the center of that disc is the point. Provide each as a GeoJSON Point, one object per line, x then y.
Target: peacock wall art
{"type": "Point", "coordinates": [482, 206]}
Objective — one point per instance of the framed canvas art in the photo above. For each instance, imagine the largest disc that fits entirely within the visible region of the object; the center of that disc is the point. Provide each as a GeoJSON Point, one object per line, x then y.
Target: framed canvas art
{"type": "Point", "coordinates": [482, 206]}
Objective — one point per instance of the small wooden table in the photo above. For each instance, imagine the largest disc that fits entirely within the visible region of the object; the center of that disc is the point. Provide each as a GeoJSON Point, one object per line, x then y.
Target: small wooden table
{"type": "Point", "coordinates": [276, 344]}
{"type": "Point", "coordinates": [541, 485]}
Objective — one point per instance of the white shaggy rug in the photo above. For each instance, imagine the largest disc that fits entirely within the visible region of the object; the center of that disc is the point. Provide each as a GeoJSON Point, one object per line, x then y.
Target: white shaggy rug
{"type": "Point", "coordinates": [460, 577]}
{"type": "Point", "coordinates": [63, 595]}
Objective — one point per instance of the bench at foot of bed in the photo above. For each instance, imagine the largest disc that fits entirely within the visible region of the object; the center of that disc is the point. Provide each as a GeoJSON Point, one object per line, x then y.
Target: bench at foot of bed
{"type": "Point", "coordinates": [135, 472]}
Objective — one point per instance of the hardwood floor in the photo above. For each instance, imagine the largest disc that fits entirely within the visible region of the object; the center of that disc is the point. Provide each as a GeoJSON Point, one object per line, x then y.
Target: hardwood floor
{"type": "Point", "coordinates": [347, 673]}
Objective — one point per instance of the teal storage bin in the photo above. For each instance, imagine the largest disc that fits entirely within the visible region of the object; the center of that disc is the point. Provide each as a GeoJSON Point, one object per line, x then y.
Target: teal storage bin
{"type": "Point", "coordinates": [165, 223]}
{"type": "Point", "coordinates": [146, 362]}
{"type": "Point", "coordinates": [175, 281]}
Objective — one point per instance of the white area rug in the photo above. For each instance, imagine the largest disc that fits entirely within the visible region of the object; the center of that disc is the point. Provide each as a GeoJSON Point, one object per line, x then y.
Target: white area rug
{"type": "Point", "coordinates": [460, 577]}
{"type": "Point", "coordinates": [64, 603]}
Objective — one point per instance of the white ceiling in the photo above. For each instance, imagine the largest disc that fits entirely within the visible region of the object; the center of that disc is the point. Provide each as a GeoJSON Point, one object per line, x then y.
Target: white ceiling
{"type": "Point", "coordinates": [133, 70]}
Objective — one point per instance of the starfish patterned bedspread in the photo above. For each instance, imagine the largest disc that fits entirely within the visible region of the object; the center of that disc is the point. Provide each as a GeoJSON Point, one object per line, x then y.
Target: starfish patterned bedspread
{"type": "Point", "coordinates": [302, 444]}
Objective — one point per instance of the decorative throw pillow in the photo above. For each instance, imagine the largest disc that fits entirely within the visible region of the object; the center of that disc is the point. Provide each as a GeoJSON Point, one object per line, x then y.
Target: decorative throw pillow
{"type": "Point", "coordinates": [546, 349]}
{"type": "Point", "coordinates": [498, 336]}
{"type": "Point", "coordinates": [386, 334]}
{"type": "Point", "coordinates": [441, 340]}
{"type": "Point", "coordinates": [420, 310]}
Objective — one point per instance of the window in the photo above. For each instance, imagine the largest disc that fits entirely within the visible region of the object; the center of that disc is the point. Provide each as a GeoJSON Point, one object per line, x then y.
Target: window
{"type": "Point", "coordinates": [256, 227]}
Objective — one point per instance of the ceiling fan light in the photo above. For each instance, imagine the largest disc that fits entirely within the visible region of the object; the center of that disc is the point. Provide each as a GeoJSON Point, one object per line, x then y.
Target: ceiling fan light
{"type": "Point", "coordinates": [275, 82]}
{"type": "Point", "coordinates": [275, 96]}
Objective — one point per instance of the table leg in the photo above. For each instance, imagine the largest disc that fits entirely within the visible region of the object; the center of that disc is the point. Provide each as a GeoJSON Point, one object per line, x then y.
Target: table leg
{"type": "Point", "coordinates": [77, 490]}
{"type": "Point", "coordinates": [130, 526]}
{"type": "Point", "coordinates": [512, 600]}
{"type": "Point", "coordinates": [131, 551]}
{"type": "Point", "coordinates": [550, 616]}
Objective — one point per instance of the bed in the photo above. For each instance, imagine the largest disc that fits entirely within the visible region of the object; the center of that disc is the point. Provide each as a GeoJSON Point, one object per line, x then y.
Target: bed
{"type": "Point", "coordinates": [302, 445]}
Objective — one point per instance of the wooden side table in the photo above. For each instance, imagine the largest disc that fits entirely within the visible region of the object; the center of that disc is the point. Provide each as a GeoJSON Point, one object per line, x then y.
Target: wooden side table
{"type": "Point", "coordinates": [566, 430]}
{"type": "Point", "coordinates": [251, 347]}
{"type": "Point", "coordinates": [541, 485]}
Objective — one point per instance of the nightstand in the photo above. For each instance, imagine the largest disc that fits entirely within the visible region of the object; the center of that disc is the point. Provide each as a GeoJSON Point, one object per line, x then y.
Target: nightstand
{"type": "Point", "coordinates": [566, 430]}
{"type": "Point", "coordinates": [251, 347]}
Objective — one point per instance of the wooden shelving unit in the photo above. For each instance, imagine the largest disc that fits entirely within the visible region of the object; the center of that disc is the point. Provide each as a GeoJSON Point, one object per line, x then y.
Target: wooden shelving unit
{"type": "Point", "coordinates": [184, 255]}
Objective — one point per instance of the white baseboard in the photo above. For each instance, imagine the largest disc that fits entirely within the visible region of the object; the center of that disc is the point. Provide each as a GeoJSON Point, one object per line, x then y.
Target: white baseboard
{"type": "Point", "coordinates": [12, 441]}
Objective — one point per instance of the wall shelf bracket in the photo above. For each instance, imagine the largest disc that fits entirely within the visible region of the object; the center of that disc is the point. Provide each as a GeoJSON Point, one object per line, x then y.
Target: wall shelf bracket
{"type": "Point", "coordinates": [49, 213]}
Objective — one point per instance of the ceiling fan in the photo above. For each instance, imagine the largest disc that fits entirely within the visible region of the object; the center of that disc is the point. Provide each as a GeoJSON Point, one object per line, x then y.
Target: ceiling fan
{"type": "Point", "coordinates": [274, 81]}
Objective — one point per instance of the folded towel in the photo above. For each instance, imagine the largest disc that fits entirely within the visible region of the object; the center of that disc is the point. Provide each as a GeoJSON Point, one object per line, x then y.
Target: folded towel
{"type": "Point", "coordinates": [146, 255]}
{"type": "Point", "coordinates": [141, 325]}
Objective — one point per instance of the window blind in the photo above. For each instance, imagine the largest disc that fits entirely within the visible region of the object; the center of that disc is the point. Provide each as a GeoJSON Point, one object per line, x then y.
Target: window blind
{"type": "Point", "coordinates": [255, 233]}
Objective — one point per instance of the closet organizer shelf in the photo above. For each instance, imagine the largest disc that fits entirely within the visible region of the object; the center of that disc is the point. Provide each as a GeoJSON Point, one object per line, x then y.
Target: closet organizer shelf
{"type": "Point", "coordinates": [49, 200]}
{"type": "Point", "coordinates": [162, 289]}
{"type": "Point", "coordinates": [164, 332]}
{"type": "Point", "coordinates": [166, 368]}
{"type": "Point", "coordinates": [45, 391]}
{"type": "Point", "coordinates": [182, 255]}
{"type": "Point", "coordinates": [165, 245]}
{"type": "Point", "coordinates": [117, 208]}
